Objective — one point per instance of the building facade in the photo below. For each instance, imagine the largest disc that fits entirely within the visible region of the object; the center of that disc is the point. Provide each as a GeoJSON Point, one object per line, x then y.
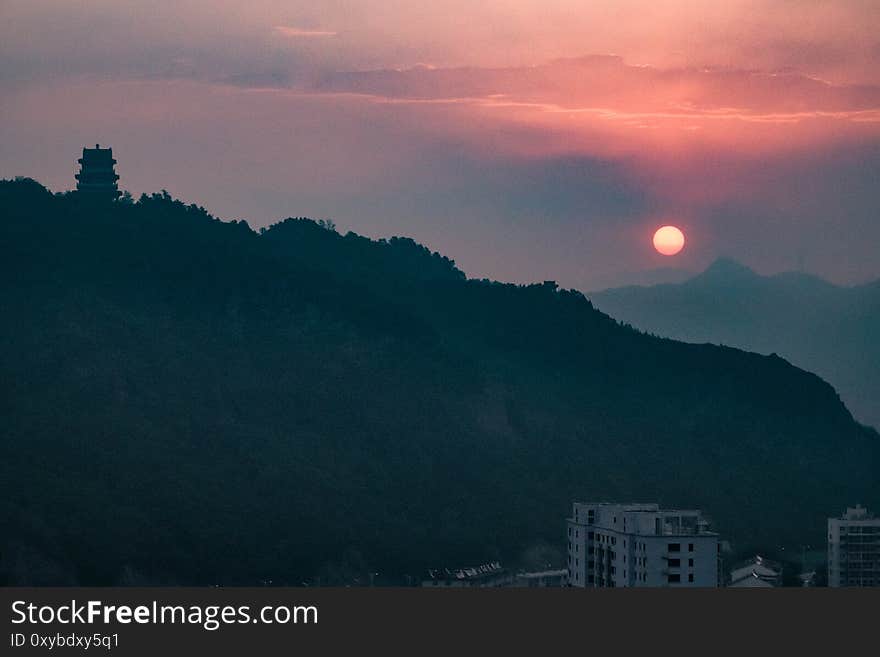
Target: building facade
{"type": "Point", "coordinates": [854, 548]}
{"type": "Point", "coordinates": [97, 176]}
{"type": "Point", "coordinates": [624, 545]}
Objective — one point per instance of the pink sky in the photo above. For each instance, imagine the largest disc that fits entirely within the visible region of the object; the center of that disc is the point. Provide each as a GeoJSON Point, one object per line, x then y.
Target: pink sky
{"type": "Point", "coordinates": [527, 140]}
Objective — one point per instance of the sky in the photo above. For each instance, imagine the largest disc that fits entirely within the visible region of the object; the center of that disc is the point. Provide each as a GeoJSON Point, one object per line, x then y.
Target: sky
{"type": "Point", "coordinates": [528, 140]}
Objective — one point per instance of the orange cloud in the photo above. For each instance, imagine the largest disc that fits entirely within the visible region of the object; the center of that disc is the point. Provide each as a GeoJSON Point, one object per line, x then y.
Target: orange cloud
{"type": "Point", "coordinates": [297, 32]}
{"type": "Point", "coordinates": [605, 84]}
{"type": "Point", "coordinates": [601, 105]}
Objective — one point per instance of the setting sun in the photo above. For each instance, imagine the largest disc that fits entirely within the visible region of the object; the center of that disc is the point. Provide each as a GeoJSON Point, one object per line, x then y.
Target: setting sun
{"type": "Point", "coordinates": [668, 240]}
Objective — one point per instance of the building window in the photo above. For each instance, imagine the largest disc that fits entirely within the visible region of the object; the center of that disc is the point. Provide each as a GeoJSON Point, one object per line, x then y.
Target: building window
{"type": "Point", "coordinates": [590, 579]}
{"type": "Point", "coordinates": [590, 535]}
{"type": "Point", "coordinates": [691, 577]}
{"type": "Point", "coordinates": [690, 547]}
{"type": "Point", "coordinates": [673, 578]}
{"type": "Point", "coordinates": [675, 547]}
{"type": "Point", "coordinates": [690, 563]}
{"type": "Point", "coordinates": [674, 563]}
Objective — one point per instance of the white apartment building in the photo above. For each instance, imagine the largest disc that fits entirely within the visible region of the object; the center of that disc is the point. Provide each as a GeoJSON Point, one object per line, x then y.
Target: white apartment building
{"type": "Point", "coordinates": [854, 549]}
{"type": "Point", "coordinates": [615, 545]}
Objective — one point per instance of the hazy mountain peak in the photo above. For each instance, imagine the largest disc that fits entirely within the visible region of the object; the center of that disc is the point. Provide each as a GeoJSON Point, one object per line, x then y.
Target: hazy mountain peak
{"type": "Point", "coordinates": [812, 323]}
{"type": "Point", "coordinates": [727, 270]}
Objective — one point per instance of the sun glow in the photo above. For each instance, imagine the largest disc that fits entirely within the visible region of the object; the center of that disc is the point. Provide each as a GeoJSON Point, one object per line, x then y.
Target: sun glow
{"type": "Point", "coordinates": [668, 240]}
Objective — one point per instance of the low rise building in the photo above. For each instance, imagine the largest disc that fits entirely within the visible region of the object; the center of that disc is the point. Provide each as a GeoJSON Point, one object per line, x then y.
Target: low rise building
{"type": "Point", "coordinates": [542, 579]}
{"type": "Point", "coordinates": [756, 572]}
{"type": "Point", "coordinates": [483, 576]}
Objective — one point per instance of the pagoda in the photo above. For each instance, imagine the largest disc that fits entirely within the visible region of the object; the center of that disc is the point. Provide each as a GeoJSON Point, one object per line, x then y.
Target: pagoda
{"type": "Point", "coordinates": [97, 176]}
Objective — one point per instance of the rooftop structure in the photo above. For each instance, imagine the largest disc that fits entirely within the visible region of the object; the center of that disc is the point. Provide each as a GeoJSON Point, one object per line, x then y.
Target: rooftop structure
{"type": "Point", "coordinates": [541, 579]}
{"type": "Point", "coordinates": [756, 572]}
{"type": "Point", "coordinates": [97, 176]}
{"type": "Point", "coordinates": [486, 575]}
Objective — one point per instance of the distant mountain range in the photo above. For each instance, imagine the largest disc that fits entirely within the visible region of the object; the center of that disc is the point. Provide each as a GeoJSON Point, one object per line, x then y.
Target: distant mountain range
{"type": "Point", "coordinates": [830, 330]}
{"type": "Point", "coordinates": [644, 277]}
{"type": "Point", "coordinates": [186, 400]}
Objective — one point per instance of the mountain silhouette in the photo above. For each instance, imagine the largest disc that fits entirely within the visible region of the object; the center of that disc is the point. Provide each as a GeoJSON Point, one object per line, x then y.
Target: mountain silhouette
{"type": "Point", "coordinates": [824, 328]}
{"type": "Point", "coordinates": [725, 271]}
{"type": "Point", "coordinates": [189, 401]}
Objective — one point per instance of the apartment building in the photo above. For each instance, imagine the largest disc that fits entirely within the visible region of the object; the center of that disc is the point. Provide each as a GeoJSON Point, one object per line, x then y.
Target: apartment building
{"type": "Point", "coordinates": [854, 548]}
{"type": "Point", "coordinates": [619, 545]}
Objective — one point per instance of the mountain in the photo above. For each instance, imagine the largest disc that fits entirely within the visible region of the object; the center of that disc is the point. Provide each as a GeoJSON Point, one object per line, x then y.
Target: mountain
{"type": "Point", "coordinates": [821, 327]}
{"type": "Point", "coordinates": [188, 401]}
{"type": "Point", "coordinates": [645, 277]}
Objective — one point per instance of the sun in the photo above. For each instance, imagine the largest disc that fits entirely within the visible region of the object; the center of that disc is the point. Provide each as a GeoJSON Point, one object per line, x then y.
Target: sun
{"type": "Point", "coordinates": [668, 240]}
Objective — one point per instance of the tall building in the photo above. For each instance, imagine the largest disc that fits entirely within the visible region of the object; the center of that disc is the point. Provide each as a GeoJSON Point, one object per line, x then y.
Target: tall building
{"type": "Point", "coordinates": [614, 545]}
{"type": "Point", "coordinates": [97, 176]}
{"type": "Point", "coordinates": [854, 548]}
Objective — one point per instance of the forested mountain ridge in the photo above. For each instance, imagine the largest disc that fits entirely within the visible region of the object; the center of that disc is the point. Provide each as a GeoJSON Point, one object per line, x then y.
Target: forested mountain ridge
{"type": "Point", "coordinates": [186, 400]}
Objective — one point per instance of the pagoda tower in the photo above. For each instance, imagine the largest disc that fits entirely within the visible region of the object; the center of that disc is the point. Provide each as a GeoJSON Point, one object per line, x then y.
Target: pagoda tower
{"type": "Point", "coordinates": [97, 176]}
